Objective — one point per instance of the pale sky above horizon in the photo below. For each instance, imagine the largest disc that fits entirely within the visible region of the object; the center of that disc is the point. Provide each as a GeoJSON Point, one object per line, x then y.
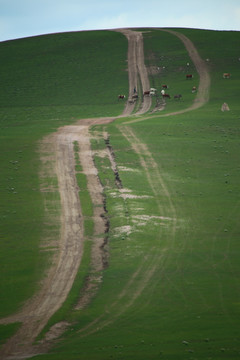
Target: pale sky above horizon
{"type": "Point", "coordinates": [24, 18]}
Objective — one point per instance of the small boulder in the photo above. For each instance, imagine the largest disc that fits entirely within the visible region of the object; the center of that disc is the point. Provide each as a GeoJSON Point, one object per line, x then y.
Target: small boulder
{"type": "Point", "coordinates": [225, 107]}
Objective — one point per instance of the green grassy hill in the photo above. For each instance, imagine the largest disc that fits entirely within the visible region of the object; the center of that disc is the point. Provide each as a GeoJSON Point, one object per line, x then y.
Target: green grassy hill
{"type": "Point", "coordinates": [46, 82]}
{"type": "Point", "coordinates": [171, 290]}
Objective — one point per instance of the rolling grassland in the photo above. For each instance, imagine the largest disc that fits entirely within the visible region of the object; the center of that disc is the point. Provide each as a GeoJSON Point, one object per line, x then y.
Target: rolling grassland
{"type": "Point", "coordinates": [45, 85]}
{"type": "Point", "coordinates": [170, 183]}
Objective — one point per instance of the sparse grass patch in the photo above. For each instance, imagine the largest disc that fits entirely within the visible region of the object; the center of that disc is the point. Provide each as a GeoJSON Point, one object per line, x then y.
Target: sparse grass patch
{"type": "Point", "coordinates": [105, 173]}
{"type": "Point", "coordinates": [7, 330]}
{"type": "Point", "coordinates": [81, 181]}
{"type": "Point", "coordinates": [88, 227]}
{"type": "Point", "coordinates": [86, 203]}
{"type": "Point", "coordinates": [85, 199]}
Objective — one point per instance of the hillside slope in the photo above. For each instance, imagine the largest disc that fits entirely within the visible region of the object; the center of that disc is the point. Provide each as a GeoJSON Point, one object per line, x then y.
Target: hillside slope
{"type": "Point", "coordinates": [159, 230]}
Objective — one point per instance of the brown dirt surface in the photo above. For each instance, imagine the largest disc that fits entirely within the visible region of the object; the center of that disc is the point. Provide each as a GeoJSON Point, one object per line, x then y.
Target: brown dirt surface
{"type": "Point", "coordinates": [136, 69]}
{"type": "Point", "coordinates": [58, 281]}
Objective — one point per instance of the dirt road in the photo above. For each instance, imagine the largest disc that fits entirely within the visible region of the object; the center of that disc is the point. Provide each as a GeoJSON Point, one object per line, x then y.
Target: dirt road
{"type": "Point", "coordinates": [61, 275]}
{"type": "Point", "coordinates": [136, 70]}
{"type": "Point", "coordinates": [201, 67]}
{"type": "Point", "coordinates": [204, 79]}
{"type": "Point", "coordinates": [58, 282]}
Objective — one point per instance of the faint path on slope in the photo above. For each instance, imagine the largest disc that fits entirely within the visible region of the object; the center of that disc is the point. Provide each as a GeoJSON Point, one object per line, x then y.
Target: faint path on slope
{"type": "Point", "coordinates": [136, 68]}
{"type": "Point", "coordinates": [202, 69]}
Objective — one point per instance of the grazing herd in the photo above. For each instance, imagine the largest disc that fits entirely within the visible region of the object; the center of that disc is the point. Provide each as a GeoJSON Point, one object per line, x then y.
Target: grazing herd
{"type": "Point", "coordinates": [226, 75]}
{"type": "Point", "coordinates": [164, 95]}
{"type": "Point", "coordinates": [153, 92]}
{"type": "Point", "coordinates": [121, 96]}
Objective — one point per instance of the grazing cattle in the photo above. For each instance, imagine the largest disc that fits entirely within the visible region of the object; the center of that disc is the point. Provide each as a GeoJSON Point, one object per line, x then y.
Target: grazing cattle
{"type": "Point", "coordinates": [146, 92]}
{"type": "Point", "coordinates": [166, 96]}
{"type": "Point", "coordinates": [164, 86]}
{"type": "Point", "coordinates": [135, 96]}
{"type": "Point", "coordinates": [177, 96]}
{"type": "Point", "coordinates": [226, 75]}
{"type": "Point", "coordinates": [194, 89]}
{"type": "Point", "coordinates": [133, 99]}
{"type": "Point", "coordinates": [121, 96]}
{"type": "Point", "coordinates": [189, 76]}
{"type": "Point", "coordinates": [162, 92]}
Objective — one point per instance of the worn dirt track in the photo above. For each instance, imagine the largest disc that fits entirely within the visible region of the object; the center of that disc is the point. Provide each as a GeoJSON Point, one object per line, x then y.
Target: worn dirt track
{"type": "Point", "coordinates": [58, 282]}
{"type": "Point", "coordinates": [136, 70]}
{"type": "Point", "coordinates": [204, 79]}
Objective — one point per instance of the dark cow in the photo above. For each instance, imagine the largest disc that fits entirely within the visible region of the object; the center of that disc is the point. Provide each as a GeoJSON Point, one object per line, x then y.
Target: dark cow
{"type": "Point", "coordinates": [133, 99]}
{"type": "Point", "coordinates": [146, 92]}
{"type": "Point", "coordinates": [166, 96]}
{"type": "Point", "coordinates": [135, 96]}
{"type": "Point", "coordinates": [226, 75]}
{"type": "Point", "coordinates": [121, 96]}
{"type": "Point", "coordinates": [189, 76]}
{"type": "Point", "coordinates": [164, 86]}
{"type": "Point", "coordinates": [177, 96]}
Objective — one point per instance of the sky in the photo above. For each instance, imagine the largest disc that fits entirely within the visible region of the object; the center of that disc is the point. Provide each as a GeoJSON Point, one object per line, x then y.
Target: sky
{"type": "Point", "coordinates": [24, 18]}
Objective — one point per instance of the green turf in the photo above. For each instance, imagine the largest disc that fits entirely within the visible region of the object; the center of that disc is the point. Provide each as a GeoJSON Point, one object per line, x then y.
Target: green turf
{"type": "Point", "coordinates": [169, 65]}
{"type": "Point", "coordinates": [171, 290]}
{"type": "Point", "coordinates": [46, 82]}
